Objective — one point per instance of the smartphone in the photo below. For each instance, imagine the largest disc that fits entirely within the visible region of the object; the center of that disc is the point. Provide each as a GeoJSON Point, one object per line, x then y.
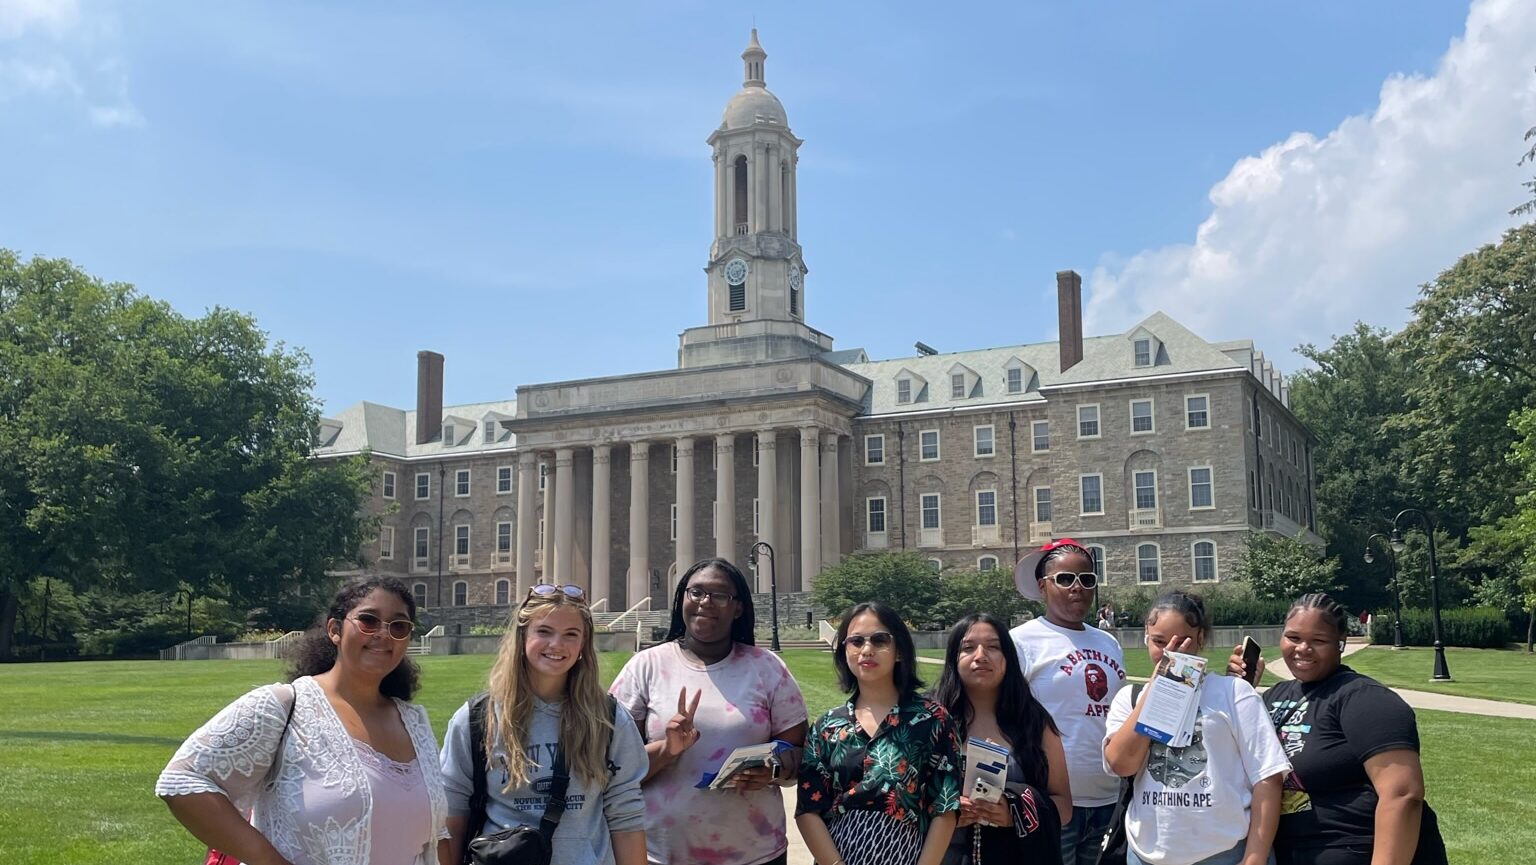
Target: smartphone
{"type": "Point", "coordinates": [1251, 661]}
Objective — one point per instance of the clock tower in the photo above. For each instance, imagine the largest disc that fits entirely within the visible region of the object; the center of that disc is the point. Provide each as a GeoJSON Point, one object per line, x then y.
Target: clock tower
{"type": "Point", "coordinates": [756, 267]}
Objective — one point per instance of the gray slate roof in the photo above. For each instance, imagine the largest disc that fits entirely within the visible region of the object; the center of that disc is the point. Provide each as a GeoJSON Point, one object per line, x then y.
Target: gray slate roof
{"type": "Point", "coordinates": [392, 431]}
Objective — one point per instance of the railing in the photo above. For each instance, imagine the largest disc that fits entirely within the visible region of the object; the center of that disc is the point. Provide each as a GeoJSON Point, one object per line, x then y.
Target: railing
{"type": "Point", "coordinates": [175, 652]}
{"type": "Point", "coordinates": [423, 645]}
{"type": "Point", "coordinates": [876, 540]}
{"type": "Point", "coordinates": [930, 537]}
{"type": "Point", "coordinates": [985, 536]}
{"type": "Point", "coordinates": [599, 606]}
{"type": "Point", "coordinates": [634, 610]}
{"type": "Point", "coordinates": [1281, 524]}
{"type": "Point", "coordinates": [1146, 518]}
{"type": "Point", "coordinates": [827, 633]}
{"type": "Point", "coordinates": [281, 645]}
{"type": "Point", "coordinates": [1039, 533]}
{"type": "Point", "coordinates": [741, 229]}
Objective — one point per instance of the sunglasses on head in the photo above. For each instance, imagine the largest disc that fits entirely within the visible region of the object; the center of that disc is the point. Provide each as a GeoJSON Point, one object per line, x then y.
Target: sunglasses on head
{"type": "Point", "coordinates": [878, 640]}
{"type": "Point", "coordinates": [368, 624]}
{"type": "Point", "coordinates": [1065, 579]}
{"type": "Point", "coordinates": [549, 590]}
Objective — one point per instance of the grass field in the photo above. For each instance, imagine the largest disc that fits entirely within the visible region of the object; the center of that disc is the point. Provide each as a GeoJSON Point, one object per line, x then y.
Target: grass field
{"type": "Point", "coordinates": [83, 743]}
{"type": "Point", "coordinates": [1493, 674]}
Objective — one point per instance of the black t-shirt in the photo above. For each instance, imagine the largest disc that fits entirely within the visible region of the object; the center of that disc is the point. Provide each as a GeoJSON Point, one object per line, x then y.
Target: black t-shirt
{"type": "Point", "coordinates": [1329, 729]}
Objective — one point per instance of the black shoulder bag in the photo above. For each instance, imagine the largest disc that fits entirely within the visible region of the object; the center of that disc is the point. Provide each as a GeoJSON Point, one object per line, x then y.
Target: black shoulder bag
{"type": "Point", "coordinates": [1114, 841]}
{"type": "Point", "coordinates": [521, 845]}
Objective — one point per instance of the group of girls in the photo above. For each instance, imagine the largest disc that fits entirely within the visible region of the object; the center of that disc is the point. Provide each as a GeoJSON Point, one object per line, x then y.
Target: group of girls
{"type": "Point", "coordinates": [340, 767]}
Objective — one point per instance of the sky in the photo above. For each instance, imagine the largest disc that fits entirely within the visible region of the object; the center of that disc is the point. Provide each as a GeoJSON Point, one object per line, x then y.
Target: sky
{"type": "Point", "coordinates": [526, 188]}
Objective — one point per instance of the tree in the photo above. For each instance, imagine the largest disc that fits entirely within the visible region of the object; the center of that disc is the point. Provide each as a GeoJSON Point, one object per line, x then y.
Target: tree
{"type": "Point", "coordinates": [1283, 569]}
{"type": "Point", "coordinates": [1529, 207]}
{"type": "Point", "coordinates": [141, 450]}
{"type": "Point", "coordinates": [962, 592]}
{"type": "Point", "coordinates": [905, 582]}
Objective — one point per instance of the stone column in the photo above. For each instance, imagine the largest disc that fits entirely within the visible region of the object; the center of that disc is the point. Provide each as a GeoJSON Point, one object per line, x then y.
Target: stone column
{"type": "Point", "coordinates": [775, 191]}
{"type": "Point", "coordinates": [527, 521]}
{"type": "Point", "coordinates": [767, 484]}
{"type": "Point", "coordinates": [547, 542]}
{"type": "Point", "coordinates": [810, 505]}
{"type": "Point", "coordinates": [791, 207]}
{"type": "Point", "coordinates": [684, 546]}
{"type": "Point", "coordinates": [759, 190]}
{"type": "Point", "coordinates": [731, 216]}
{"type": "Point", "coordinates": [831, 505]}
{"type": "Point", "coordinates": [720, 194]}
{"type": "Point", "coordinates": [565, 513]}
{"type": "Point", "coordinates": [602, 539]}
{"type": "Point", "coordinates": [639, 582]}
{"type": "Point", "coordinates": [725, 496]}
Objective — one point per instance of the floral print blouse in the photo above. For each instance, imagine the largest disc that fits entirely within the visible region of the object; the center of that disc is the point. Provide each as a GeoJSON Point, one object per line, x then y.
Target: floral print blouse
{"type": "Point", "coordinates": [910, 770]}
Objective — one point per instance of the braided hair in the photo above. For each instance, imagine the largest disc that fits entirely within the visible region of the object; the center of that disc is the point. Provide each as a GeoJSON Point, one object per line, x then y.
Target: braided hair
{"type": "Point", "coordinates": [1331, 610]}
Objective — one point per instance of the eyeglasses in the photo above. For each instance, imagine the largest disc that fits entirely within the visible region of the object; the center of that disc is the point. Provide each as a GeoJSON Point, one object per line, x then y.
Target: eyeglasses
{"type": "Point", "coordinates": [368, 624]}
{"type": "Point", "coordinates": [549, 590]}
{"type": "Point", "coordinates": [1065, 579]}
{"type": "Point", "coordinates": [878, 640]}
{"type": "Point", "coordinates": [719, 599]}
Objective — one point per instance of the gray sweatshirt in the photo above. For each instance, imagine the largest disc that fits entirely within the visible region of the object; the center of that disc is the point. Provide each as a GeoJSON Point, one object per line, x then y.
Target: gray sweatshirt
{"type": "Point", "coordinates": [590, 814]}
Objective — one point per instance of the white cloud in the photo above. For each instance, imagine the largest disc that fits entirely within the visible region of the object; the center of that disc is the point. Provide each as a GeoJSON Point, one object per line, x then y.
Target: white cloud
{"type": "Point", "coordinates": [18, 16]}
{"type": "Point", "coordinates": [54, 55]}
{"type": "Point", "coordinates": [1315, 233]}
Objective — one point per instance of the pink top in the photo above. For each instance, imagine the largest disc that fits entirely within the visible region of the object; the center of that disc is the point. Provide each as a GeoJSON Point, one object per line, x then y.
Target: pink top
{"type": "Point", "coordinates": [402, 820]}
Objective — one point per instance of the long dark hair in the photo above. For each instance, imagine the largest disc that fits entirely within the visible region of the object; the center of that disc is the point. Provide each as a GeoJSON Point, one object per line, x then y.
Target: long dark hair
{"type": "Point", "coordinates": [745, 624]}
{"type": "Point", "coordinates": [1020, 716]}
{"type": "Point", "coordinates": [905, 674]}
{"type": "Point", "coordinates": [315, 653]}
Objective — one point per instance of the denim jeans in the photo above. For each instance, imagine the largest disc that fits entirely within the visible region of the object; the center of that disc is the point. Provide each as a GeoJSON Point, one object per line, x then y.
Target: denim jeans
{"type": "Point", "coordinates": [1226, 857]}
{"type": "Point", "coordinates": [1083, 837]}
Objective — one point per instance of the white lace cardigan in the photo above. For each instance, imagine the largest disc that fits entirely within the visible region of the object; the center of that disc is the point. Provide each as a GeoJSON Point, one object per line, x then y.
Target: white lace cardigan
{"type": "Point", "coordinates": [232, 753]}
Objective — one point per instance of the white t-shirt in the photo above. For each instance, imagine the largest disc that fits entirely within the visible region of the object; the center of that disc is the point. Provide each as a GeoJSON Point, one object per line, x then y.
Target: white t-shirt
{"type": "Point", "coordinates": [1191, 803]}
{"type": "Point", "coordinates": [1075, 674]}
{"type": "Point", "coordinates": [747, 697]}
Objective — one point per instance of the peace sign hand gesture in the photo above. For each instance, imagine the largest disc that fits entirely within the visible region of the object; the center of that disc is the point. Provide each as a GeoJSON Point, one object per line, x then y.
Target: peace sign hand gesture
{"type": "Point", "coordinates": [680, 730]}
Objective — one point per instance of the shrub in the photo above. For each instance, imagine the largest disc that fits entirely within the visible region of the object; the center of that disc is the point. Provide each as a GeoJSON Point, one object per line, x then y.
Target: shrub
{"type": "Point", "coordinates": [962, 592]}
{"type": "Point", "coordinates": [1473, 628]}
{"type": "Point", "coordinates": [902, 581]}
{"type": "Point", "coordinates": [1225, 605]}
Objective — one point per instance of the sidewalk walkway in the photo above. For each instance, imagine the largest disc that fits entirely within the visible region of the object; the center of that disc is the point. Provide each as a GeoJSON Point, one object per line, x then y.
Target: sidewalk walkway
{"type": "Point", "coordinates": [1432, 700]}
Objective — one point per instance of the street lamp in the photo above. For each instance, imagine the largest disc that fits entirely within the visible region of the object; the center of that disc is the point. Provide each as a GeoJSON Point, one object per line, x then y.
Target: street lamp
{"type": "Point", "coordinates": [1442, 672]}
{"type": "Point", "coordinates": [1397, 593]}
{"type": "Point", "coordinates": [773, 585]}
{"type": "Point", "coordinates": [188, 594]}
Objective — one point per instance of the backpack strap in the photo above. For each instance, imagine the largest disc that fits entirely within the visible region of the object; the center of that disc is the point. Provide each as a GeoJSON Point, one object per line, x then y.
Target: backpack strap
{"type": "Point", "coordinates": [556, 807]}
{"type": "Point", "coordinates": [479, 797]}
{"type": "Point", "coordinates": [613, 709]}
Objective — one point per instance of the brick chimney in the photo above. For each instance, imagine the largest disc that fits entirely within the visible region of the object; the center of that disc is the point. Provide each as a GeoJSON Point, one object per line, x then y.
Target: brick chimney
{"type": "Point", "coordinates": [429, 396]}
{"type": "Point", "coordinates": [1069, 313]}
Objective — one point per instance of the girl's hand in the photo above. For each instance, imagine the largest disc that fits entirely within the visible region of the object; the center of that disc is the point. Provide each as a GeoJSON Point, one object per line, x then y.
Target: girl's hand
{"type": "Point", "coordinates": [992, 813]}
{"type": "Point", "coordinates": [680, 730]}
{"type": "Point", "coordinates": [968, 814]}
{"type": "Point", "coordinates": [759, 778]}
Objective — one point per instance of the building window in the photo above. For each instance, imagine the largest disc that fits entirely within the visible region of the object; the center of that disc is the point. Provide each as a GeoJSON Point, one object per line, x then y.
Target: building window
{"type": "Point", "coordinates": [460, 593]}
{"type": "Point", "coordinates": [903, 391]}
{"type": "Point", "coordinates": [874, 507]}
{"type": "Point", "coordinates": [1253, 491]}
{"type": "Point", "coordinates": [490, 432]}
{"type": "Point", "coordinates": [503, 592]}
{"type": "Point", "coordinates": [543, 475]}
{"type": "Point", "coordinates": [930, 509]}
{"type": "Point", "coordinates": [423, 486]}
{"type": "Point", "coordinates": [461, 545]}
{"type": "Point", "coordinates": [386, 542]}
{"type": "Point", "coordinates": [1042, 504]}
{"type": "Point", "coordinates": [1141, 416]}
{"type": "Point", "coordinates": [757, 521]}
{"type": "Point", "coordinates": [1204, 556]}
{"type": "Point", "coordinates": [1197, 412]}
{"type": "Point", "coordinates": [985, 441]}
{"type": "Point", "coordinates": [1093, 494]}
{"type": "Point", "coordinates": [986, 507]}
{"type": "Point", "coordinates": [1097, 553]}
{"type": "Point", "coordinates": [1143, 352]}
{"type": "Point", "coordinates": [1252, 413]}
{"type": "Point", "coordinates": [1149, 567]}
{"type": "Point", "coordinates": [1040, 434]}
{"type": "Point", "coordinates": [449, 439]}
{"type": "Point", "coordinates": [1146, 490]}
{"type": "Point", "coordinates": [957, 386]}
{"type": "Point", "coordinates": [928, 445]}
{"type": "Point", "coordinates": [1016, 379]}
{"type": "Point", "coordinates": [389, 485]}
{"type": "Point", "coordinates": [1200, 494]}
{"type": "Point", "coordinates": [674, 522]}
{"type": "Point", "coordinates": [874, 450]}
{"type": "Point", "coordinates": [673, 449]}
{"type": "Point", "coordinates": [986, 563]}
{"type": "Point", "coordinates": [1088, 421]}
{"type": "Point", "coordinates": [423, 542]}
{"type": "Point", "coordinates": [419, 592]}
{"type": "Point", "coordinates": [504, 542]}
{"type": "Point", "coordinates": [461, 483]}
{"type": "Point", "coordinates": [539, 542]}
{"type": "Point", "coordinates": [935, 565]}
{"type": "Point", "coordinates": [739, 298]}
{"type": "Point", "coordinates": [503, 480]}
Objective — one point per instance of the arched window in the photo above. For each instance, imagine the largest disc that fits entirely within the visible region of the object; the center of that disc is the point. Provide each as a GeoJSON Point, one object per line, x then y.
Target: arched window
{"type": "Point", "coordinates": [419, 592]}
{"type": "Point", "coordinates": [1149, 565]}
{"type": "Point", "coordinates": [739, 190]}
{"type": "Point", "coordinates": [460, 593]}
{"type": "Point", "coordinates": [503, 592]}
{"type": "Point", "coordinates": [935, 565]}
{"type": "Point", "coordinates": [1098, 560]}
{"type": "Point", "coordinates": [986, 563]}
{"type": "Point", "coordinates": [1203, 555]}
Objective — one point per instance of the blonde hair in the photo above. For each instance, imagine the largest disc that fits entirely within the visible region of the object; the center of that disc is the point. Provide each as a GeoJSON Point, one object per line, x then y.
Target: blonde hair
{"type": "Point", "coordinates": [586, 721]}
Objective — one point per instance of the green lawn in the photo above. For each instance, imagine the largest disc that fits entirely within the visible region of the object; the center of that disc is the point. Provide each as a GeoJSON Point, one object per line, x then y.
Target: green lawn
{"type": "Point", "coordinates": [1493, 674]}
{"type": "Point", "coordinates": [83, 743]}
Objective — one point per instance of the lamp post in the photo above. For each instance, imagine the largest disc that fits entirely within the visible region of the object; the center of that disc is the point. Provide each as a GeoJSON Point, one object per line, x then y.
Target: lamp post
{"type": "Point", "coordinates": [1442, 672]}
{"type": "Point", "coordinates": [1397, 593]}
{"type": "Point", "coordinates": [187, 593]}
{"type": "Point", "coordinates": [773, 585]}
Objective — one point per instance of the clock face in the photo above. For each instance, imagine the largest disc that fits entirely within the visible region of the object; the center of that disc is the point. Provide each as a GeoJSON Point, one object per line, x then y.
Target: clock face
{"type": "Point", "coordinates": [796, 278]}
{"type": "Point", "coordinates": [736, 271]}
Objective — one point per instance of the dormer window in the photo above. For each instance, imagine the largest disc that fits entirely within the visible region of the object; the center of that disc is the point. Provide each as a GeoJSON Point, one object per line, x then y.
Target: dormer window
{"type": "Point", "coordinates": [449, 440]}
{"type": "Point", "coordinates": [1016, 380]}
{"type": "Point", "coordinates": [957, 386]}
{"type": "Point", "coordinates": [490, 431]}
{"type": "Point", "coordinates": [903, 390]}
{"type": "Point", "coordinates": [1143, 348]}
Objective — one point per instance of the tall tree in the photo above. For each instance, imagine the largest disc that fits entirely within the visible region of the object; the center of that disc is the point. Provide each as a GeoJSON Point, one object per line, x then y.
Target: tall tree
{"type": "Point", "coordinates": [144, 450]}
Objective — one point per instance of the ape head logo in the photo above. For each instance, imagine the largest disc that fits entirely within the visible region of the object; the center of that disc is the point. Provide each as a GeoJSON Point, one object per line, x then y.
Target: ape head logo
{"type": "Point", "coordinates": [1096, 682]}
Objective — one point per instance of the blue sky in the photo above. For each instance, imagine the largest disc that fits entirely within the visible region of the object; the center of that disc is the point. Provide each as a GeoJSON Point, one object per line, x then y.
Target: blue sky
{"type": "Point", "coordinates": [527, 190]}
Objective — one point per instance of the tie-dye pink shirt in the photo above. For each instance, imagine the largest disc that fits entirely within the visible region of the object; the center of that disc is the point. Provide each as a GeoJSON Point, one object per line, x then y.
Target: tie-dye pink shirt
{"type": "Point", "coordinates": [747, 698]}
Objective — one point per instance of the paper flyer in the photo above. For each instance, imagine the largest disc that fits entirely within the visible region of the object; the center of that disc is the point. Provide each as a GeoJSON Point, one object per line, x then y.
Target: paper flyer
{"type": "Point", "coordinates": [1172, 699]}
{"type": "Point", "coordinates": [986, 770]}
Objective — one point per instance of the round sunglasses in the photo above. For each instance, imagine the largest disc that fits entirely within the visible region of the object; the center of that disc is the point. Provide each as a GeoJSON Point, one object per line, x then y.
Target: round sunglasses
{"type": "Point", "coordinates": [549, 590]}
{"type": "Point", "coordinates": [368, 624]}
{"type": "Point", "coordinates": [878, 640]}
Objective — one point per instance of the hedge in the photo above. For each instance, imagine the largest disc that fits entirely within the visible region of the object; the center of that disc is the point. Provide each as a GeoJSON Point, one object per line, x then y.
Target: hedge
{"type": "Point", "coordinates": [1224, 609]}
{"type": "Point", "coordinates": [1474, 628]}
